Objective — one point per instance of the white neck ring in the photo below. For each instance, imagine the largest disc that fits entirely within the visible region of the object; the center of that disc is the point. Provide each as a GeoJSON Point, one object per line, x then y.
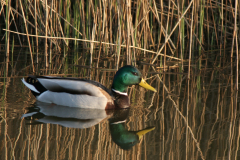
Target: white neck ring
{"type": "Point", "coordinates": [122, 93]}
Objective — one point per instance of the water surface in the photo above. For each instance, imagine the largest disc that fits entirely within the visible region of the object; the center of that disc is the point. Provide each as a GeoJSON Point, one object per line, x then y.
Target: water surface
{"type": "Point", "coordinates": [195, 119]}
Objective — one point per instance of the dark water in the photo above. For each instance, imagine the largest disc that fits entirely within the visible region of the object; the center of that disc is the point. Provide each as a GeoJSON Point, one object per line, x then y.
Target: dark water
{"type": "Point", "coordinates": [195, 119]}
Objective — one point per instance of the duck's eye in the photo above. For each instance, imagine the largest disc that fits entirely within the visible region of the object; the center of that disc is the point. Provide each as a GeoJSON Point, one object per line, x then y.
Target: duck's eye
{"type": "Point", "coordinates": [134, 73]}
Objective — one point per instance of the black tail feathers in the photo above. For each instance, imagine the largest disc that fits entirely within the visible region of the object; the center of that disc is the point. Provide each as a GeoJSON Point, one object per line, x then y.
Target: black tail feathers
{"type": "Point", "coordinates": [34, 81]}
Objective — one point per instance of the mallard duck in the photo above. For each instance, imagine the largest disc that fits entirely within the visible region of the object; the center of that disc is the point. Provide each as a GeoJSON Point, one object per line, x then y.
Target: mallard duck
{"type": "Point", "coordinates": [82, 93]}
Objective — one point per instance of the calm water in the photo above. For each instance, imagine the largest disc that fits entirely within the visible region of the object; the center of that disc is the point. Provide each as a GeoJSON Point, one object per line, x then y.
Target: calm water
{"type": "Point", "coordinates": [31, 130]}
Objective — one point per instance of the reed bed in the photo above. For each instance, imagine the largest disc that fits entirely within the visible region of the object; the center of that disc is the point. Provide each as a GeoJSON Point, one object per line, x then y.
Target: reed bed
{"type": "Point", "coordinates": [159, 29]}
{"type": "Point", "coordinates": [195, 111]}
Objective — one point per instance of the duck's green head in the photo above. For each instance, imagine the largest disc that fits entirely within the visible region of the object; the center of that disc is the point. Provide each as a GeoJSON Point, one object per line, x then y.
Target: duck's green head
{"type": "Point", "coordinates": [127, 76]}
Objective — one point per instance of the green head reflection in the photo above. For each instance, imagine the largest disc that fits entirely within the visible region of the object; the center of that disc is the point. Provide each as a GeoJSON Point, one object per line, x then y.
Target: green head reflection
{"type": "Point", "coordinates": [121, 136]}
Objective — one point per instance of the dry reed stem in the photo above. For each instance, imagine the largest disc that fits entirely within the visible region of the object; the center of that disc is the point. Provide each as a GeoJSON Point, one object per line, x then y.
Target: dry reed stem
{"type": "Point", "coordinates": [16, 27]}
{"type": "Point", "coordinates": [92, 44]}
{"type": "Point", "coordinates": [160, 23]}
{"type": "Point", "coordinates": [44, 23]}
{"type": "Point", "coordinates": [13, 19]}
{"type": "Point", "coordinates": [144, 29]}
{"type": "Point", "coordinates": [8, 37]}
{"type": "Point", "coordinates": [234, 116]}
{"type": "Point", "coordinates": [167, 38]}
{"type": "Point", "coordinates": [90, 41]}
{"type": "Point", "coordinates": [128, 51]}
{"type": "Point", "coordinates": [28, 22]}
{"type": "Point", "coordinates": [188, 79]}
{"type": "Point", "coordinates": [213, 21]}
{"type": "Point", "coordinates": [2, 8]}
{"type": "Point", "coordinates": [235, 35]}
{"type": "Point", "coordinates": [119, 33]}
{"type": "Point", "coordinates": [36, 26]}
{"type": "Point", "coordinates": [60, 26]}
{"type": "Point", "coordinates": [165, 52]}
{"type": "Point", "coordinates": [143, 18]}
{"type": "Point", "coordinates": [62, 17]}
{"type": "Point", "coordinates": [133, 44]}
{"type": "Point", "coordinates": [46, 33]}
{"type": "Point", "coordinates": [185, 20]}
{"type": "Point", "coordinates": [30, 48]}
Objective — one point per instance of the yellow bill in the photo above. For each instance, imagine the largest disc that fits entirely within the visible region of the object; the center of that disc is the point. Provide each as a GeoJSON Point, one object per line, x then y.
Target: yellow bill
{"type": "Point", "coordinates": [144, 84]}
{"type": "Point", "coordinates": [143, 132]}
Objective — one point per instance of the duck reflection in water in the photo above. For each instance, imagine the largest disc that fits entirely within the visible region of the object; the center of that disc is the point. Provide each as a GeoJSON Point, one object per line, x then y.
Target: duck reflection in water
{"type": "Point", "coordinates": [86, 118]}
{"type": "Point", "coordinates": [65, 116]}
{"type": "Point", "coordinates": [120, 135]}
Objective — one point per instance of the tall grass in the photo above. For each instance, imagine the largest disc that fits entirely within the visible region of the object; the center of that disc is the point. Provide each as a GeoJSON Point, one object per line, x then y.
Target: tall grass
{"type": "Point", "coordinates": [130, 28]}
